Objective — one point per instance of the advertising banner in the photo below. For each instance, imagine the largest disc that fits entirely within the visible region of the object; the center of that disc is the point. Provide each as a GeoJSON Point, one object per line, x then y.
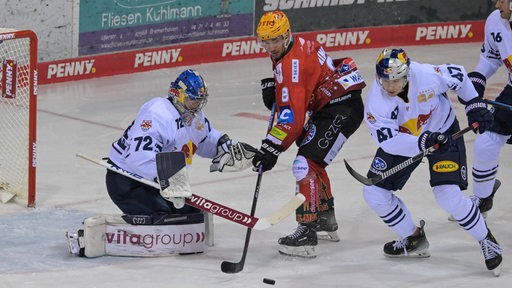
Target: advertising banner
{"type": "Point", "coordinates": [189, 54]}
{"type": "Point", "coordinates": [115, 25]}
{"type": "Point", "coordinates": [316, 15]}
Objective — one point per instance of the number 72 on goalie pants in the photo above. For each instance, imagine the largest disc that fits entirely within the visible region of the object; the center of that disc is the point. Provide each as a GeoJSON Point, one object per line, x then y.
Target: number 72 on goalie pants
{"type": "Point", "coordinates": [212, 207]}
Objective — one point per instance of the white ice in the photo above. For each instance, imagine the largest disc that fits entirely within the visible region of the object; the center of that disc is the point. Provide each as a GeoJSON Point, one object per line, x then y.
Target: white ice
{"type": "Point", "coordinates": [87, 116]}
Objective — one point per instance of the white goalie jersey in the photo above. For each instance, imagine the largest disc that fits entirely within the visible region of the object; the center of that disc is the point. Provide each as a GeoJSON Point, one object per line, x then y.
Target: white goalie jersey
{"type": "Point", "coordinates": [497, 47]}
{"type": "Point", "coordinates": [158, 127]}
{"type": "Point", "coordinates": [395, 123]}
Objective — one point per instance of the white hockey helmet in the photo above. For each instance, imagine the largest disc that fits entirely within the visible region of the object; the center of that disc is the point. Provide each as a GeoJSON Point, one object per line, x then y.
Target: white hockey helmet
{"type": "Point", "coordinates": [392, 64]}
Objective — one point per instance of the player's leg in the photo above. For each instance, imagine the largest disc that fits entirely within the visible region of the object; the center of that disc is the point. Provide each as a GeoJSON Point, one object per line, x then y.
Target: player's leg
{"type": "Point", "coordinates": [133, 197]}
{"type": "Point", "coordinates": [326, 133]}
{"type": "Point", "coordinates": [392, 210]}
{"type": "Point", "coordinates": [448, 175]}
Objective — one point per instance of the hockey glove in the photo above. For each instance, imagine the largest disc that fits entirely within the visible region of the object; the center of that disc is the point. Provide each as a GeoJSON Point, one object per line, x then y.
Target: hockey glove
{"type": "Point", "coordinates": [232, 155]}
{"type": "Point", "coordinates": [268, 92]}
{"type": "Point", "coordinates": [428, 139]}
{"type": "Point", "coordinates": [267, 156]}
{"type": "Point", "coordinates": [477, 111]}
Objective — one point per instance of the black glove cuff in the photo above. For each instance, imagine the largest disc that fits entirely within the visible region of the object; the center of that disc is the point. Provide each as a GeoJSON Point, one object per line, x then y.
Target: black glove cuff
{"type": "Point", "coordinates": [422, 141]}
{"type": "Point", "coordinates": [271, 147]}
{"type": "Point", "coordinates": [223, 139]}
{"type": "Point", "coordinates": [476, 103]}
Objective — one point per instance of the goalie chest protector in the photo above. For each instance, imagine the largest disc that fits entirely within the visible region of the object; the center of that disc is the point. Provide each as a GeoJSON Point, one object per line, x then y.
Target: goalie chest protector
{"type": "Point", "coordinates": [144, 236]}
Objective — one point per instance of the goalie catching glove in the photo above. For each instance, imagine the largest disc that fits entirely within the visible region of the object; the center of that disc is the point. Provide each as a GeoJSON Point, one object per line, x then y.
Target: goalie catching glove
{"type": "Point", "coordinates": [232, 155]}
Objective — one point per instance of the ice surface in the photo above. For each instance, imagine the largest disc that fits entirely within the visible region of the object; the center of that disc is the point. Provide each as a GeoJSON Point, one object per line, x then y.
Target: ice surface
{"type": "Point", "coordinates": [87, 116]}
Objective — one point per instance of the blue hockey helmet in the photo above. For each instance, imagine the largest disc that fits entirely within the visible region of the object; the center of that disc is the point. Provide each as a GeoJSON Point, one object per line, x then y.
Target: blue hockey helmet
{"type": "Point", "coordinates": [392, 64]}
{"type": "Point", "coordinates": [189, 91]}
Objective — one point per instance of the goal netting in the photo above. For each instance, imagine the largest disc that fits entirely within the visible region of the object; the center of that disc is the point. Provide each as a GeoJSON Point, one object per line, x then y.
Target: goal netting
{"type": "Point", "coordinates": [18, 90]}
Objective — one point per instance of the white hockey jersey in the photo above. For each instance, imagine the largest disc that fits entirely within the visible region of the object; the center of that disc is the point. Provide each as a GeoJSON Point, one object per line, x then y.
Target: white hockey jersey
{"type": "Point", "coordinates": [158, 128]}
{"type": "Point", "coordinates": [395, 124]}
{"type": "Point", "coordinates": [497, 46]}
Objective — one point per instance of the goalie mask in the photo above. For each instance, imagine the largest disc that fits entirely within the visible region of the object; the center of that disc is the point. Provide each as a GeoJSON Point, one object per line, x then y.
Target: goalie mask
{"type": "Point", "coordinates": [189, 94]}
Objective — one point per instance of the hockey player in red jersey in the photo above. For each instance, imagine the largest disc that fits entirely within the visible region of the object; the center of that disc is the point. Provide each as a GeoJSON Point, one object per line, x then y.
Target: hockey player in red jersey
{"type": "Point", "coordinates": [319, 106]}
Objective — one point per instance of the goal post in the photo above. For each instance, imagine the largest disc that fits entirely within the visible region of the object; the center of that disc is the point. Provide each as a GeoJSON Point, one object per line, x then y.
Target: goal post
{"type": "Point", "coordinates": [18, 105]}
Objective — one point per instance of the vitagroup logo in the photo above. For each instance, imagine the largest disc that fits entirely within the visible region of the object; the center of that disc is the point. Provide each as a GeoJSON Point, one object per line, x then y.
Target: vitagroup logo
{"type": "Point", "coordinates": [444, 32]}
{"type": "Point", "coordinates": [69, 69]}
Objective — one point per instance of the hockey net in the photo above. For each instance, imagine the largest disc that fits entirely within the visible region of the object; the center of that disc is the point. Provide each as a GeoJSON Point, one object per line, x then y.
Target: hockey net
{"type": "Point", "coordinates": [18, 90]}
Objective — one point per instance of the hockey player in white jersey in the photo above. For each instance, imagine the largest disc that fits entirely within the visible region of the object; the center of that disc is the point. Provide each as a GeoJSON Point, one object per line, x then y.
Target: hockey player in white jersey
{"type": "Point", "coordinates": [174, 123]}
{"type": "Point", "coordinates": [407, 111]}
{"type": "Point", "coordinates": [496, 51]}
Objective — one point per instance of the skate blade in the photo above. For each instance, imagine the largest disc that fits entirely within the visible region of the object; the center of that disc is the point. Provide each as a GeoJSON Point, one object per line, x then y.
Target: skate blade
{"type": "Point", "coordinates": [450, 218]}
{"type": "Point", "coordinates": [72, 241]}
{"type": "Point", "coordinates": [414, 254]}
{"type": "Point", "coordinates": [328, 236]}
{"type": "Point", "coordinates": [497, 271]}
{"type": "Point", "coordinates": [306, 251]}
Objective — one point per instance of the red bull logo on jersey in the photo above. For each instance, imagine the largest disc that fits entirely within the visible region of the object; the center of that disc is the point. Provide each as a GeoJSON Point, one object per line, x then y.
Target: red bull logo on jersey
{"type": "Point", "coordinates": [508, 63]}
{"type": "Point", "coordinates": [146, 125]}
{"type": "Point", "coordinates": [445, 166]}
{"type": "Point", "coordinates": [370, 118]}
{"type": "Point", "coordinates": [415, 126]}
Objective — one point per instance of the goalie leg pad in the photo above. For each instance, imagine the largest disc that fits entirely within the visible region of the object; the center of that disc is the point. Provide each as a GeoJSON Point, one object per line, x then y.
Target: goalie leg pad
{"type": "Point", "coordinates": [111, 235]}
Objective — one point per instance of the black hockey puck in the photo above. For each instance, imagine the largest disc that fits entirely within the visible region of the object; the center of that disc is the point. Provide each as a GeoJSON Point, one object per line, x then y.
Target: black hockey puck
{"type": "Point", "coordinates": [269, 281]}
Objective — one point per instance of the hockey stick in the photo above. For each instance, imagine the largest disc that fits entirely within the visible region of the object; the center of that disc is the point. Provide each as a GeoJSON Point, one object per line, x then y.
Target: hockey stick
{"type": "Point", "coordinates": [374, 180]}
{"type": "Point", "coordinates": [235, 267]}
{"type": "Point", "coordinates": [498, 104]}
{"type": "Point", "coordinates": [210, 206]}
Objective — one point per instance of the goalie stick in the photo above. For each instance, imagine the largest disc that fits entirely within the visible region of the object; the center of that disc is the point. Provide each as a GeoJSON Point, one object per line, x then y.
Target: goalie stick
{"type": "Point", "coordinates": [210, 206]}
{"type": "Point", "coordinates": [235, 267]}
{"type": "Point", "coordinates": [374, 180]}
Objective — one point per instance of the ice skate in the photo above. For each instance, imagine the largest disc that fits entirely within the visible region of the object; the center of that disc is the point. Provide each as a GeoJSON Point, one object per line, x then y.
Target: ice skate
{"type": "Point", "coordinates": [412, 246]}
{"type": "Point", "coordinates": [492, 254]}
{"type": "Point", "coordinates": [484, 204]}
{"type": "Point", "coordinates": [75, 243]}
{"type": "Point", "coordinates": [327, 226]}
{"type": "Point", "coordinates": [300, 243]}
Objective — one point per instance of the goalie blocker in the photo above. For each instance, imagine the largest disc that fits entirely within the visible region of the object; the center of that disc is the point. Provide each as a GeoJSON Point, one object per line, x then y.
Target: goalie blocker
{"type": "Point", "coordinates": [142, 235]}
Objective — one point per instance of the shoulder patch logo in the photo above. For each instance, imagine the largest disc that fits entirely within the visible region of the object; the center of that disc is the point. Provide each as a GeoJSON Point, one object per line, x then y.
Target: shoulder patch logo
{"type": "Point", "coordinates": [146, 125]}
{"type": "Point", "coordinates": [379, 164]}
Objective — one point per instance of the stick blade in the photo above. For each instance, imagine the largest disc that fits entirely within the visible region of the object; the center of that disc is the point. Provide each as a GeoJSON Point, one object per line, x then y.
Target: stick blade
{"type": "Point", "coordinates": [230, 267]}
{"type": "Point", "coordinates": [361, 178]}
